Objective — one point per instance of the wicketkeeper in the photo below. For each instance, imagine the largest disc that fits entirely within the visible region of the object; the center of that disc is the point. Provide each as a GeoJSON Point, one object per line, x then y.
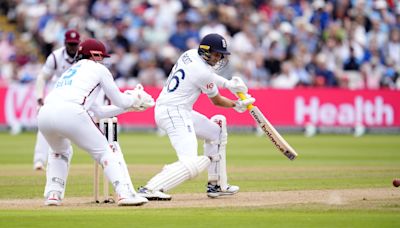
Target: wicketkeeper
{"type": "Point", "coordinates": [65, 118]}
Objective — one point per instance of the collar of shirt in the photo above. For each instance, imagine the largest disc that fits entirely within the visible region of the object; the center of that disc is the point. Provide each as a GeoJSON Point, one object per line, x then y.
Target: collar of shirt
{"type": "Point", "coordinates": [67, 57]}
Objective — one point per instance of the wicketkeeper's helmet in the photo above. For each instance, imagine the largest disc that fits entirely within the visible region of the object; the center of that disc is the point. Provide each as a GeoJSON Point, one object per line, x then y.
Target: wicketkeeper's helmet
{"type": "Point", "coordinates": [92, 48]}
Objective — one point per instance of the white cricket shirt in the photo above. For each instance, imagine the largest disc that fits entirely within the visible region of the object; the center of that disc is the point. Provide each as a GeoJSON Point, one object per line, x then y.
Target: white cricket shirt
{"type": "Point", "coordinates": [190, 77]}
{"type": "Point", "coordinates": [81, 84]}
{"type": "Point", "coordinates": [57, 63]}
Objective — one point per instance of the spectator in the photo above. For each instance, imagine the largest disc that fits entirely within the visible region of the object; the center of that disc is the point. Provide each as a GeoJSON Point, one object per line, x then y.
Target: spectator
{"type": "Point", "coordinates": [150, 74]}
{"type": "Point", "coordinates": [28, 72]}
{"type": "Point", "coordinates": [392, 47]}
{"type": "Point", "coordinates": [213, 26]}
{"type": "Point", "coordinates": [373, 51]}
{"type": "Point", "coordinates": [167, 59]}
{"type": "Point", "coordinates": [9, 71]}
{"type": "Point", "coordinates": [323, 76]}
{"type": "Point", "coordinates": [103, 10]}
{"type": "Point", "coordinates": [320, 18]}
{"type": "Point", "coordinates": [390, 75]}
{"type": "Point", "coordinates": [377, 33]}
{"type": "Point", "coordinates": [371, 75]}
{"type": "Point", "coordinates": [258, 73]}
{"type": "Point", "coordinates": [244, 41]}
{"type": "Point", "coordinates": [179, 39]}
{"type": "Point", "coordinates": [282, 30]}
{"type": "Point", "coordinates": [286, 79]}
{"type": "Point", "coordinates": [352, 62]}
{"type": "Point", "coordinates": [331, 50]}
{"type": "Point", "coordinates": [120, 39]}
{"type": "Point", "coordinates": [123, 62]}
{"type": "Point", "coordinates": [299, 70]}
{"type": "Point", "coordinates": [7, 46]}
{"type": "Point", "coordinates": [275, 54]}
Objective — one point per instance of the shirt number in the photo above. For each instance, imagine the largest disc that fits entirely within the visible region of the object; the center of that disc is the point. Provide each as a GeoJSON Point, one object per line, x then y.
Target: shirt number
{"type": "Point", "coordinates": [173, 82]}
{"type": "Point", "coordinates": [66, 78]}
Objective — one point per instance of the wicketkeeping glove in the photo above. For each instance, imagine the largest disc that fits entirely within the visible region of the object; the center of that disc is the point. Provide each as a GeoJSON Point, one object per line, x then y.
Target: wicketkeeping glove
{"type": "Point", "coordinates": [241, 105]}
{"type": "Point", "coordinates": [236, 85]}
{"type": "Point", "coordinates": [142, 100]}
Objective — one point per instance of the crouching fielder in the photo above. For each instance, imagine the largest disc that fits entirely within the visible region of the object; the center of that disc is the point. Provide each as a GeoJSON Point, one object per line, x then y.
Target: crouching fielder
{"type": "Point", "coordinates": [64, 118]}
{"type": "Point", "coordinates": [192, 75]}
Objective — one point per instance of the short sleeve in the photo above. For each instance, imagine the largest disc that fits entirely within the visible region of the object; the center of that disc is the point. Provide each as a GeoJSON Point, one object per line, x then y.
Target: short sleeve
{"type": "Point", "coordinates": [50, 65]}
{"type": "Point", "coordinates": [207, 84]}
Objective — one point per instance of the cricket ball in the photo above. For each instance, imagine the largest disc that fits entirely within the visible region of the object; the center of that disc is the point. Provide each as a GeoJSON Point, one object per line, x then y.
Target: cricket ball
{"type": "Point", "coordinates": [396, 183]}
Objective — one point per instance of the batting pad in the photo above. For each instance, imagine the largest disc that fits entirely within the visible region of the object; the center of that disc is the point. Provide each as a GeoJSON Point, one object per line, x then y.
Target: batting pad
{"type": "Point", "coordinates": [124, 168]}
{"type": "Point", "coordinates": [176, 173]}
{"type": "Point", "coordinates": [217, 169]}
{"type": "Point", "coordinates": [57, 172]}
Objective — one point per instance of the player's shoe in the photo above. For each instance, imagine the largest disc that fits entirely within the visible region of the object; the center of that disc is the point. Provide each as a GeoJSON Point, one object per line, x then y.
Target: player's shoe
{"type": "Point", "coordinates": [131, 200]}
{"type": "Point", "coordinates": [214, 191]}
{"type": "Point", "coordinates": [153, 195]}
{"type": "Point", "coordinates": [38, 166]}
{"type": "Point", "coordinates": [53, 199]}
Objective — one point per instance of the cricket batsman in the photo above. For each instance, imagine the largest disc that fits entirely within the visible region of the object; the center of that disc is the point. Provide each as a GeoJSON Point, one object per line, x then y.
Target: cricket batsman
{"type": "Point", "coordinates": [192, 75]}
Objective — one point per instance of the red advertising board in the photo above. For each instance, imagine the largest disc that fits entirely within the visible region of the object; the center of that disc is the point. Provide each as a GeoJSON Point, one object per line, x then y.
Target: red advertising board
{"type": "Point", "coordinates": [321, 107]}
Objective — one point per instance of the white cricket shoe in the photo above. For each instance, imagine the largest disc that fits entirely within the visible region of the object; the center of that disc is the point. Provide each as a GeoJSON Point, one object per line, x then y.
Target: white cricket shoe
{"type": "Point", "coordinates": [214, 191]}
{"type": "Point", "coordinates": [131, 200]}
{"type": "Point", "coordinates": [153, 195]}
{"type": "Point", "coordinates": [38, 166]}
{"type": "Point", "coordinates": [53, 199]}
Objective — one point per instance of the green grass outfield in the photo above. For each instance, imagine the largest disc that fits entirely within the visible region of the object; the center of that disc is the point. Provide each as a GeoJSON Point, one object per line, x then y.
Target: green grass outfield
{"type": "Point", "coordinates": [325, 162]}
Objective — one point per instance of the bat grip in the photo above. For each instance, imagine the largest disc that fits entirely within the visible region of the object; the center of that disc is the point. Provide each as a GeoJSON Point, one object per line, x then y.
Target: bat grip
{"type": "Point", "coordinates": [242, 96]}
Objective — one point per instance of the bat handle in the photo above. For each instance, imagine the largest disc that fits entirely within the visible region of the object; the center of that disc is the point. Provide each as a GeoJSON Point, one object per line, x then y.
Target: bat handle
{"type": "Point", "coordinates": [242, 96]}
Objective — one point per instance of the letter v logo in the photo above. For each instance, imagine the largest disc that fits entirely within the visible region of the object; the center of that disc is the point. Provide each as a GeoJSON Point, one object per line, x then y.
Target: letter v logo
{"type": "Point", "coordinates": [20, 105]}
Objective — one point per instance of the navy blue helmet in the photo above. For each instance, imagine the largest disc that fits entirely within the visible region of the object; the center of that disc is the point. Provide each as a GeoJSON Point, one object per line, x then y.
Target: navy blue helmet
{"type": "Point", "coordinates": [213, 43]}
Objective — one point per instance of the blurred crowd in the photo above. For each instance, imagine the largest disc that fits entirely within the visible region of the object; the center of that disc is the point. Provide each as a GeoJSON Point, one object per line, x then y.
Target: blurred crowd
{"type": "Point", "coordinates": [274, 43]}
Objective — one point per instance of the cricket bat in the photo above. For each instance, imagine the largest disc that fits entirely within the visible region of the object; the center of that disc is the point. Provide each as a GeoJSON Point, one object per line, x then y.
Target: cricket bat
{"type": "Point", "coordinates": [269, 130]}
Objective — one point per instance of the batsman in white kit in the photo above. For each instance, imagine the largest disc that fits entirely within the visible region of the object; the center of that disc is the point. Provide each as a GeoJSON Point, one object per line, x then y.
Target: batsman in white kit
{"type": "Point", "coordinates": [56, 63]}
{"type": "Point", "coordinates": [192, 75]}
{"type": "Point", "coordinates": [66, 117]}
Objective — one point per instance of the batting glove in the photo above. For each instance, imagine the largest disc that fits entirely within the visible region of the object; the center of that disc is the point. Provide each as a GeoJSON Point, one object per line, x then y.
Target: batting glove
{"type": "Point", "coordinates": [236, 85]}
{"type": "Point", "coordinates": [241, 105]}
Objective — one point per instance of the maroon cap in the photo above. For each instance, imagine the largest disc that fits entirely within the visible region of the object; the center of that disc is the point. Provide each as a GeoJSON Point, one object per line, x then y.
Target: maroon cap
{"type": "Point", "coordinates": [92, 46]}
{"type": "Point", "coordinates": [72, 36]}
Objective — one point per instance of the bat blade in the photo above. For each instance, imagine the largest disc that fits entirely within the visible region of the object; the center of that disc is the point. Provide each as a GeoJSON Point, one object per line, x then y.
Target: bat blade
{"type": "Point", "coordinates": [271, 133]}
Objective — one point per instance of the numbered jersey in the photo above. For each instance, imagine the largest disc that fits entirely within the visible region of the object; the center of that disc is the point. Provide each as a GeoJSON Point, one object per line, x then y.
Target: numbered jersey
{"type": "Point", "coordinates": [81, 84]}
{"type": "Point", "coordinates": [190, 77]}
{"type": "Point", "coordinates": [57, 63]}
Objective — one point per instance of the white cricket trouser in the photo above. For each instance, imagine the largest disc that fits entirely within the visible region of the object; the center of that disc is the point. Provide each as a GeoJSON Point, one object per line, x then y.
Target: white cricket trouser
{"type": "Point", "coordinates": [60, 123]}
{"type": "Point", "coordinates": [182, 127]}
{"type": "Point", "coordinates": [41, 149]}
